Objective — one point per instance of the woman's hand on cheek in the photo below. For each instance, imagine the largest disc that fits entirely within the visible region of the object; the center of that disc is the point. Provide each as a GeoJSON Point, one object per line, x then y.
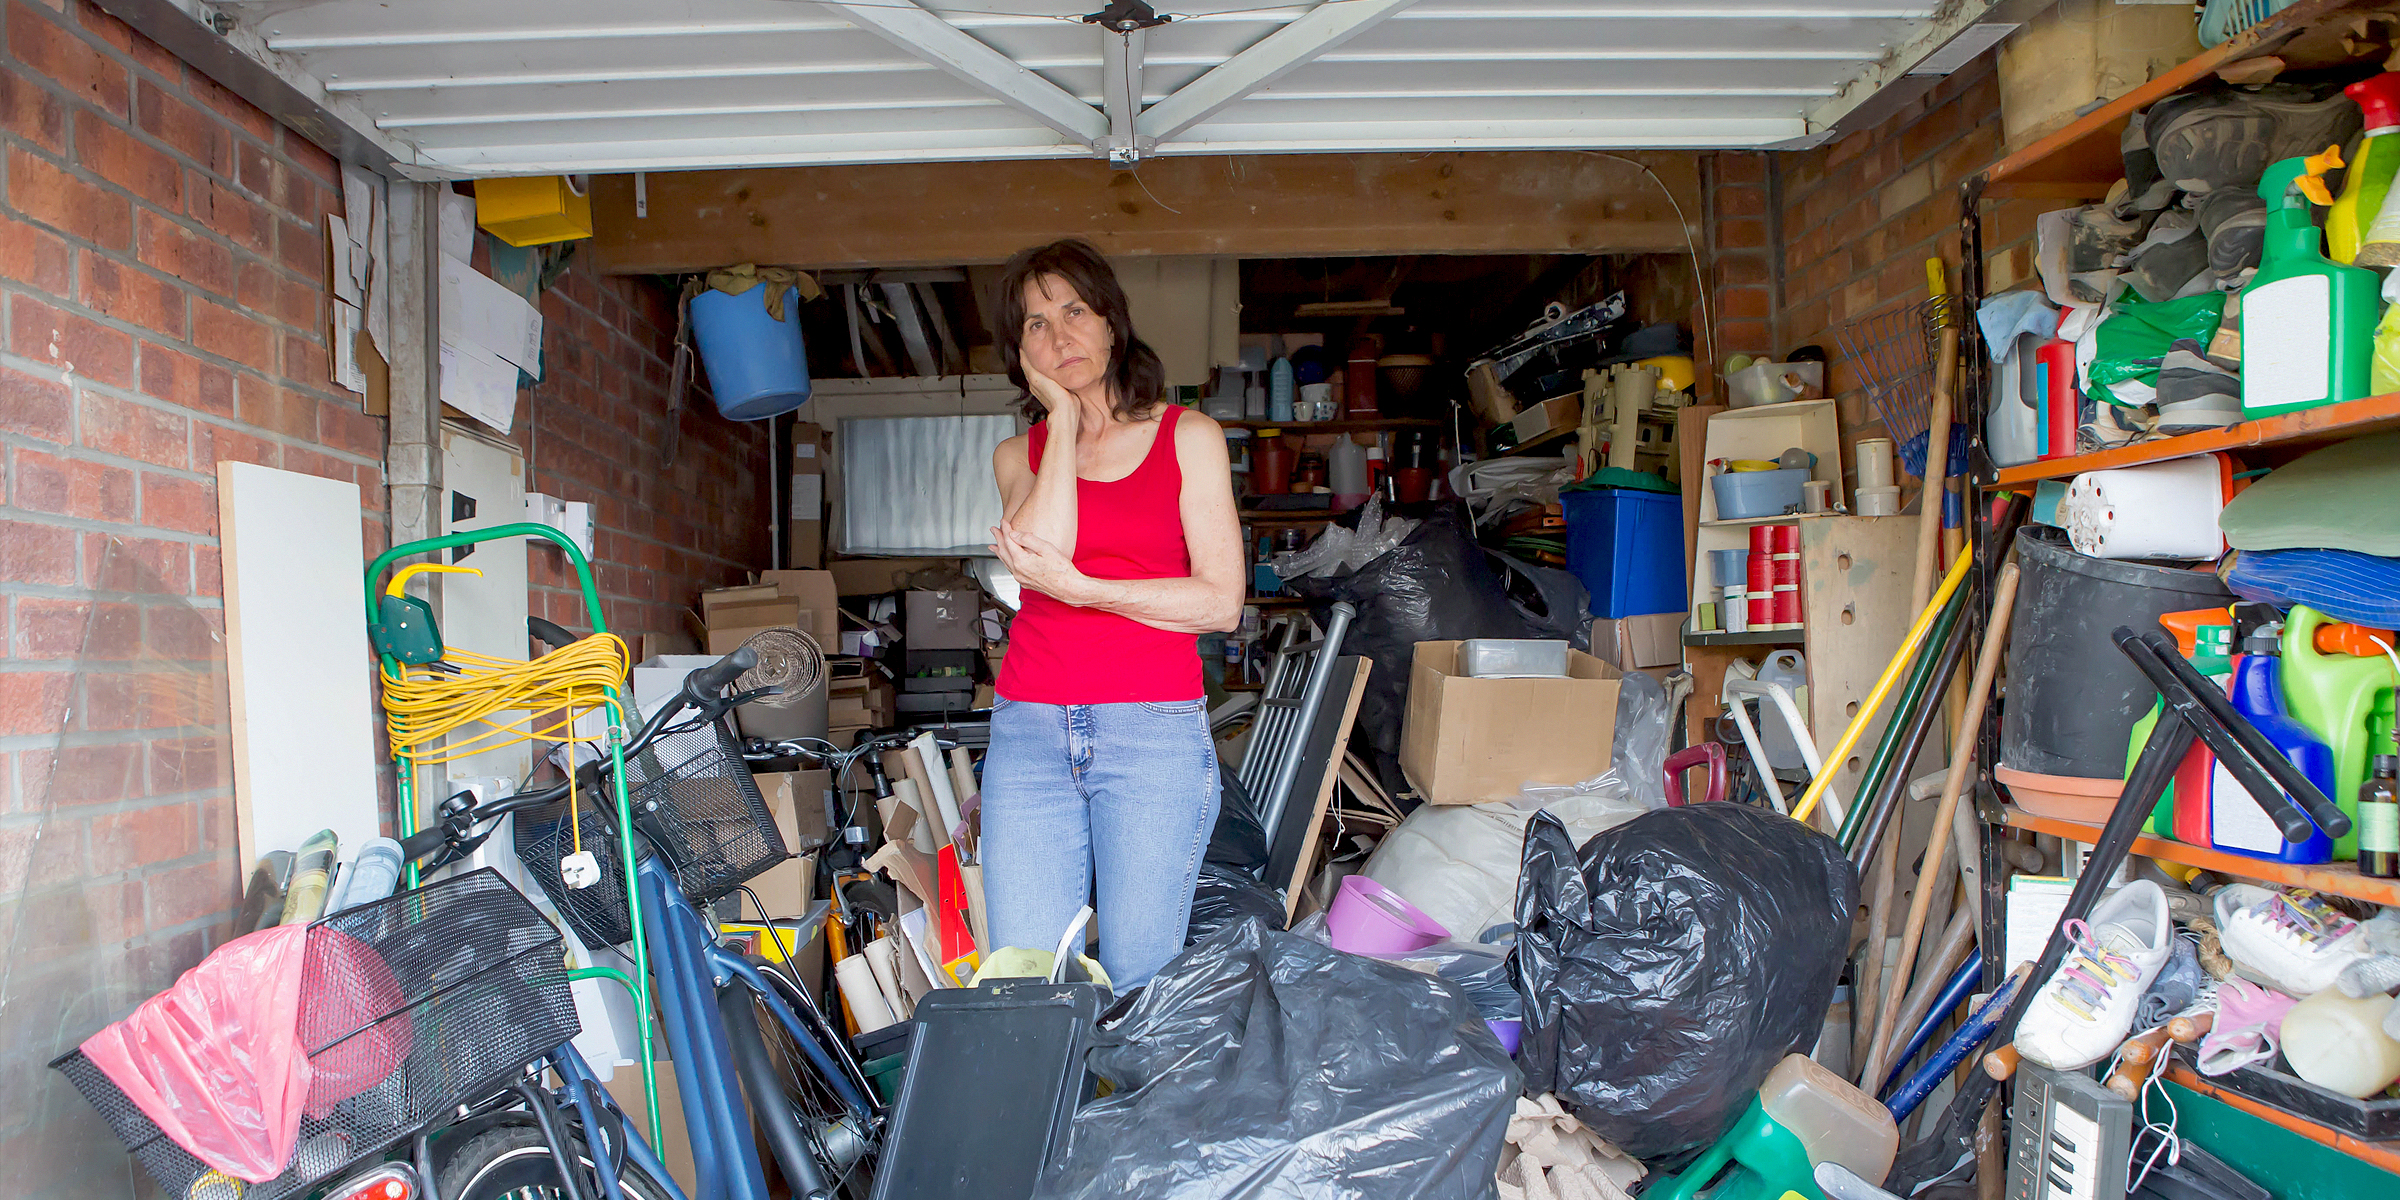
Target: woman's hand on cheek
{"type": "Point", "coordinates": [1039, 564]}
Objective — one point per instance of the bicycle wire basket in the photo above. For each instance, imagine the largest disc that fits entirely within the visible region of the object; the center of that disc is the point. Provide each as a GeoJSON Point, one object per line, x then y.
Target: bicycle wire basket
{"type": "Point", "coordinates": [409, 1007]}
{"type": "Point", "coordinates": [693, 801]}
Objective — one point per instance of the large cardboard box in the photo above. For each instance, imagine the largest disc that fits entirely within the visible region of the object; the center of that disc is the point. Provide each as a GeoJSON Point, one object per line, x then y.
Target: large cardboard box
{"type": "Point", "coordinates": [674, 1144]}
{"type": "Point", "coordinates": [1636, 643]}
{"type": "Point", "coordinates": [875, 576]}
{"type": "Point", "coordinates": [951, 620]}
{"type": "Point", "coordinates": [806, 545]}
{"type": "Point", "coordinates": [806, 600]}
{"type": "Point", "coordinates": [1466, 740]}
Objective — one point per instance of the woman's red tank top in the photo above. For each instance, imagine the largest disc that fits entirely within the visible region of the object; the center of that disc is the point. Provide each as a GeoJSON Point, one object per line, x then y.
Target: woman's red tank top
{"type": "Point", "coordinates": [1130, 528]}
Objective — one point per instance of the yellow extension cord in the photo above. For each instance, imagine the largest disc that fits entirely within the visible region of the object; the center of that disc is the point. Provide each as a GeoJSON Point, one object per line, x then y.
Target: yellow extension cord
{"type": "Point", "coordinates": [423, 706]}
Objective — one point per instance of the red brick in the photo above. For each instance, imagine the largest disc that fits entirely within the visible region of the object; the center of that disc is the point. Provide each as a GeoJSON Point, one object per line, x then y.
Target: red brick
{"type": "Point", "coordinates": [242, 113]}
{"type": "Point", "coordinates": [232, 333]}
{"type": "Point", "coordinates": [1747, 233]}
{"type": "Point", "coordinates": [309, 157]}
{"type": "Point", "coordinates": [188, 382]}
{"type": "Point", "coordinates": [312, 462]}
{"type": "Point", "coordinates": [1744, 302]}
{"type": "Point", "coordinates": [169, 502]}
{"type": "Point", "coordinates": [254, 286]}
{"type": "Point", "coordinates": [32, 553]}
{"type": "Point", "coordinates": [130, 294]}
{"type": "Point", "coordinates": [32, 112]}
{"type": "Point", "coordinates": [1741, 201]}
{"type": "Point", "coordinates": [213, 443]}
{"type": "Point", "coordinates": [33, 257]}
{"type": "Point", "coordinates": [344, 426]}
{"type": "Point", "coordinates": [49, 629]}
{"type": "Point", "coordinates": [194, 258]}
{"type": "Point", "coordinates": [31, 701]}
{"type": "Point", "coordinates": [147, 566]}
{"type": "Point", "coordinates": [47, 193]}
{"type": "Point", "coordinates": [80, 344]}
{"type": "Point", "coordinates": [35, 407]}
{"type": "Point", "coordinates": [254, 167]}
{"type": "Point", "coordinates": [145, 836]}
{"type": "Point", "coordinates": [1737, 167]}
{"type": "Point", "coordinates": [190, 765]}
{"type": "Point", "coordinates": [129, 162]}
{"type": "Point", "coordinates": [136, 431]}
{"type": "Point", "coordinates": [226, 211]}
{"type": "Point", "coordinates": [193, 893]}
{"type": "Point", "coordinates": [300, 248]}
{"type": "Point", "coordinates": [290, 413]}
{"type": "Point", "coordinates": [70, 487]}
{"type": "Point", "coordinates": [304, 360]}
{"type": "Point", "coordinates": [179, 631]}
{"type": "Point", "coordinates": [208, 571]}
{"type": "Point", "coordinates": [197, 135]}
{"type": "Point", "coordinates": [296, 303]}
{"type": "Point", "coordinates": [50, 50]}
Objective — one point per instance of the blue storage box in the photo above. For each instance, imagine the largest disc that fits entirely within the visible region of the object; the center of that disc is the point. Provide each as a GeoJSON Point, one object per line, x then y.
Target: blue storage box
{"type": "Point", "coordinates": [1627, 547]}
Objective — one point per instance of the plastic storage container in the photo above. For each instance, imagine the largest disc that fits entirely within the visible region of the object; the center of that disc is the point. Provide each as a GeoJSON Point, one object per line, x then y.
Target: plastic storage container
{"type": "Point", "coordinates": [1837, 1122]}
{"type": "Point", "coordinates": [2073, 696]}
{"type": "Point", "coordinates": [1627, 547]}
{"type": "Point", "coordinates": [1742, 495]}
{"type": "Point", "coordinates": [1512, 658]}
{"type": "Point", "coordinates": [757, 365]}
{"type": "Point", "coordinates": [1369, 918]}
{"type": "Point", "coordinates": [2344, 699]}
{"type": "Point", "coordinates": [1774, 383]}
{"type": "Point", "coordinates": [2338, 1043]}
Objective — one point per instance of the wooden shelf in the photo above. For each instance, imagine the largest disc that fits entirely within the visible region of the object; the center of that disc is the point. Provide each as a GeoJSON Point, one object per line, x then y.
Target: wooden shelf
{"type": "Point", "coordinates": [2341, 879]}
{"type": "Point", "coordinates": [1763, 637]}
{"type": "Point", "coordinates": [1781, 519]}
{"type": "Point", "coordinates": [2385, 1155]}
{"type": "Point", "coordinates": [2081, 160]}
{"type": "Point", "coordinates": [2300, 430]}
{"type": "Point", "coordinates": [1286, 518]}
{"type": "Point", "coordinates": [1347, 425]}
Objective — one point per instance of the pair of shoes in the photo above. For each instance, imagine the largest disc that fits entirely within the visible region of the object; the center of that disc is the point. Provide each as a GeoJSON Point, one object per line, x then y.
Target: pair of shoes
{"type": "Point", "coordinates": [2291, 941]}
{"type": "Point", "coordinates": [2084, 1012]}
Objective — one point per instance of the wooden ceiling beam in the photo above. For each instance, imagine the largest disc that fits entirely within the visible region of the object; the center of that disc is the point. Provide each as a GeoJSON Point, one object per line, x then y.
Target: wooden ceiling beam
{"type": "Point", "coordinates": [1252, 206]}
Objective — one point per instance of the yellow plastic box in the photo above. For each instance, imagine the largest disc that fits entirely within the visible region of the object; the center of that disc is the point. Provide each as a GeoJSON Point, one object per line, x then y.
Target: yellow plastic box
{"type": "Point", "coordinates": [533, 212]}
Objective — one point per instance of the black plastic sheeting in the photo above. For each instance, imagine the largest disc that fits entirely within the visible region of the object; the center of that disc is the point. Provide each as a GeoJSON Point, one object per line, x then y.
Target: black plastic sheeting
{"type": "Point", "coordinates": [1669, 965]}
{"type": "Point", "coordinates": [1225, 896]}
{"type": "Point", "coordinates": [1260, 1065]}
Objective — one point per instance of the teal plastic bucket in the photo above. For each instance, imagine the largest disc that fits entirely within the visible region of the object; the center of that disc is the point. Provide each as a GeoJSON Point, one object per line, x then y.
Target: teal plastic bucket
{"type": "Point", "coordinates": [757, 365]}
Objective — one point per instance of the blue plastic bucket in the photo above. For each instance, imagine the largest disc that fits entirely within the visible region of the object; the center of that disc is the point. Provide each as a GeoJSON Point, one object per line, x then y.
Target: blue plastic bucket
{"type": "Point", "coordinates": [757, 366]}
{"type": "Point", "coordinates": [1627, 547]}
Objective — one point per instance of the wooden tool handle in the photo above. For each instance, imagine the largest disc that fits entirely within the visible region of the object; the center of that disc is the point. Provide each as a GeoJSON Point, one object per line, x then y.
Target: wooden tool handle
{"type": "Point", "coordinates": [2188, 1030]}
{"type": "Point", "coordinates": [2140, 1049]}
{"type": "Point", "coordinates": [2002, 1063]}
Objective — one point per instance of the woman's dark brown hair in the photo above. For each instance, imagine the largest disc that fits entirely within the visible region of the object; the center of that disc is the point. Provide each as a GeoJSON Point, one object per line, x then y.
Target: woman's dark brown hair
{"type": "Point", "coordinates": [1134, 370]}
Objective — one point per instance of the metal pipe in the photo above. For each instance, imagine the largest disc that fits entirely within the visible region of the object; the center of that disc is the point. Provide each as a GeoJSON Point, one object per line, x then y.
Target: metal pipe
{"type": "Point", "coordinates": [1912, 693]}
{"type": "Point", "coordinates": [1962, 984]}
{"type": "Point", "coordinates": [1886, 799]}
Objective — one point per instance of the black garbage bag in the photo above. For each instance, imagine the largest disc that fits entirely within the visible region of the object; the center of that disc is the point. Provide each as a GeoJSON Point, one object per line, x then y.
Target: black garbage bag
{"type": "Point", "coordinates": [1435, 586]}
{"type": "Point", "coordinates": [1672, 963]}
{"type": "Point", "coordinates": [1226, 895]}
{"type": "Point", "coordinates": [1239, 838]}
{"type": "Point", "coordinates": [1260, 1064]}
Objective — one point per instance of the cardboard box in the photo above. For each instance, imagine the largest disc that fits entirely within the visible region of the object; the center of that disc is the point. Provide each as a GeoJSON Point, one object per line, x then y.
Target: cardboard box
{"type": "Point", "coordinates": [1467, 741]}
{"type": "Point", "coordinates": [674, 1143]}
{"type": "Point", "coordinates": [1541, 420]}
{"type": "Point", "coordinates": [797, 798]}
{"type": "Point", "coordinates": [949, 620]}
{"type": "Point", "coordinates": [804, 600]}
{"type": "Point", "coordinates": [805, 547]}
{"type": "Point", "coordinates": [875, 576]}
{"type": "Point", "coordinates": [1636, 643]}
{"type": "Point", "coordinates": [816, 594]}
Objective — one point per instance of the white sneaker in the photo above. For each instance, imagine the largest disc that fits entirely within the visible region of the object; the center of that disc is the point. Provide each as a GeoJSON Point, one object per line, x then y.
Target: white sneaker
{"type": "Point", "coordinates": [2085, 1010]}
{"type": "Point", "coordinates": [2291, 941]}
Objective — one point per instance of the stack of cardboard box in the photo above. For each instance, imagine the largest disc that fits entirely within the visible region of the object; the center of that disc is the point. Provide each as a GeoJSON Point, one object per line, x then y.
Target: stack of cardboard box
{"type": "Point", "coordinates": [862, 698]}
{"type": "Point", "coordinates": [803, 600]}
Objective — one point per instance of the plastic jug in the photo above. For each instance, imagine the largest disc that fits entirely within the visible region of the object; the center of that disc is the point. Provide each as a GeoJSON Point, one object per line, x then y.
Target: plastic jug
{"type": "Point", "coordinates": [2236, 822]}
{"type": "Point", "coordinates": [2205, 636]}
{"type": "Point", "coordinates": [1346, 473]}
{"type": "Point", "coordinates": [1758, 1160]}
{"type": "Point", "coordinates": [2345, 700]}
{"type": "Point", "coordinates": [2308, 323]}
{"type": "Point", "coordinates": [2369, 179]}
{"type": "Point", "coordinates": [1280, 389]}
{"type": "Point", "coordinates": [2338, 1043]}
{"type": "Point", "coordinates": [1788, 668]}
{"type": "Point", "coordinates": [2013, 429]}
{"type": "Point", "coordinates": [1837, 1122]}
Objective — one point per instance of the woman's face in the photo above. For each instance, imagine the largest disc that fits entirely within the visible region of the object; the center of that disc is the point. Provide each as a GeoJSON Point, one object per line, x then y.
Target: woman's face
{"type": "Point", "coordinates": [1063, 337]}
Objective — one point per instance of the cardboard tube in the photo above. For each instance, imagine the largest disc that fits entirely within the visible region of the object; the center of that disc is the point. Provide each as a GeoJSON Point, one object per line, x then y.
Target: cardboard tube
{"type": "Point", "coordinates": [864, 996]}
{"type": "Point", "coordinates": [883, 961]}
{"type": "Point", "coordinates": [922, 836]}
{"type": "Point", "coordinates": [935, 776]}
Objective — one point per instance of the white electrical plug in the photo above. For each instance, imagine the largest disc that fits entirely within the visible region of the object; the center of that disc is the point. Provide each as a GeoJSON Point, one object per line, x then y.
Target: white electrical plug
{"type": "Point", "coordinates": [579, 870]}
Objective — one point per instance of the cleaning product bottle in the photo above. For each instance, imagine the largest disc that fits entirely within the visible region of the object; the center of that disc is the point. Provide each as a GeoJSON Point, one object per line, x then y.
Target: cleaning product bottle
{"type": "Point", "coordinates": [2236, 820]}
{"type": "Point", "coordinates": [2205, 636]}
{"type": "Point", "coordinates": [2369, 180]}
{"type": "Point", "coordinates": [2308, 323]}
{"type": "Point", "coordinates": [2343, 699]}
{"type": "Point", "coordinates": [1280, 389]}
{"type": "Point", "coordinates": [2379, 820]}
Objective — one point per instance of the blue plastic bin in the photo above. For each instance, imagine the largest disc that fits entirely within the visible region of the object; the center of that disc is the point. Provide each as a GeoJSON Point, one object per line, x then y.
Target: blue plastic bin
{"type": "Point", "coordinates": [1627, 547]}
{"type": "Point", "coordinates": [757, 366]}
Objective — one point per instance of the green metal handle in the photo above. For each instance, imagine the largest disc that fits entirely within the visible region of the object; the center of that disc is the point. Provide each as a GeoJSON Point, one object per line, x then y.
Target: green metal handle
{"type": "Point", "coordinates": [583, 568]}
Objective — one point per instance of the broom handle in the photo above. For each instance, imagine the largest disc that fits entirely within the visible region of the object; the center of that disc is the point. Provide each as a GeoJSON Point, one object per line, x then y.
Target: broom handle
{"type": "Point", "coordinates": [1937, 446]}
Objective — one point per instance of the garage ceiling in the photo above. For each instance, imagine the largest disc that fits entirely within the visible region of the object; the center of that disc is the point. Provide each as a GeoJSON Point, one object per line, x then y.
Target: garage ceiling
{"type": "Point", "coordinates": [464, 88]}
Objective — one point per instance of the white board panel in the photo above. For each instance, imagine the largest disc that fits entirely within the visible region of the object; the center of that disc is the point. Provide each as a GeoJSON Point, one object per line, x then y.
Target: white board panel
{"type": "Point", "coordinates": [296, 641]}
{"type": "Point", "coordinates": [485, 614]}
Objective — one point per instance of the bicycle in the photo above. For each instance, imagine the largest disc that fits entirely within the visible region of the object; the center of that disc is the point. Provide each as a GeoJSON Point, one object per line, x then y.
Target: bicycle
{"type": "Point", "coordinates": [493, 1110]}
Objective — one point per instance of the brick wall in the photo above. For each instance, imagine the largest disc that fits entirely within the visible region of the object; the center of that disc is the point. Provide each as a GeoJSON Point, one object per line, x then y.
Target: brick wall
{"type": "Point", "coordinates": [161, 309]}
{"type": "Point", "coordinates": [1741, 227]}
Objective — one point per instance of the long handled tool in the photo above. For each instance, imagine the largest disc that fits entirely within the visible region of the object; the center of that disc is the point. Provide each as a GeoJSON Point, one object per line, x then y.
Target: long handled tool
{"type": "Point", "coordinates": [1937, 841]}
{"type": "Point", "coordinates": [1883, 686]}
{"type": "Point", "coordinates": [1937, 432]}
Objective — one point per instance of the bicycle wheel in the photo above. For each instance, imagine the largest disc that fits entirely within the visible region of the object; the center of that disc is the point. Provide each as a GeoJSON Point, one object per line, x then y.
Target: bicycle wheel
{"type": "Point", "coordinates": [514, 1163]}
{"type": "Point", "coordinates": [822, 1146]}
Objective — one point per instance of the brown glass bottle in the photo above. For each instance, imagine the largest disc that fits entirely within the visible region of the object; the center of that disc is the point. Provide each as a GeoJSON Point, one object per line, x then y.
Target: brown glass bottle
{"type": "Point", "coordinates": [2379, 820]}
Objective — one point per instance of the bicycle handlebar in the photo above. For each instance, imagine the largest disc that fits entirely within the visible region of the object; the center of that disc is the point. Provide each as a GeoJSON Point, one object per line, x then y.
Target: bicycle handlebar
{"type": "Point", "coordinates": [707, 685]}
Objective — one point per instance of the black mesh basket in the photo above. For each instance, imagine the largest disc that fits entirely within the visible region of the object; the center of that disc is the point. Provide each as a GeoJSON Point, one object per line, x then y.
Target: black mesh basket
{"type": "Point", "coordinates": [409, 1007]}
{"type": "Point", "coordinates": [693, 801]}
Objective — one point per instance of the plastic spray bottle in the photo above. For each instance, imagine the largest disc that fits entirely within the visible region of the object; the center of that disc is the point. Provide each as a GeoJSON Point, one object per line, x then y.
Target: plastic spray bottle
{"type": "Point", "coordinates": [2308, 323]}
{"type": "Point", "coordinates": [2236, 822]}
{"type": "Point", "coordinates": [2369, 180]}
{"type": "Point", "coordinates": [2384, 376]}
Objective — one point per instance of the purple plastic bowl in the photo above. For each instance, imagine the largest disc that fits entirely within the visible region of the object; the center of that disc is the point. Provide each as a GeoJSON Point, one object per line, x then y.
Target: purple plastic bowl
{"type": "Point", "coordinates": [1368, 918]}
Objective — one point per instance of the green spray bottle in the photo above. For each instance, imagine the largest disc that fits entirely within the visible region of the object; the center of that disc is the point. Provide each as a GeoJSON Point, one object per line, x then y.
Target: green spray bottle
{"type": "Point", "coordinates": [2344, 699]}
{"type": "Point", "coordinates": [2308, 323]}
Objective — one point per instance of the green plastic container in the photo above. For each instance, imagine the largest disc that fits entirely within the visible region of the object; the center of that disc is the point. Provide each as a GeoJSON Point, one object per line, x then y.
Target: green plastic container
{"type": "Point", "coordinates": [1756, 1160]}
{"type": "Point", "coordinates": [885, 1073]}
{"type": "Point", "coordinates": [2308, 323]}
{"type": "Point", "coordinates": [2344, 699]}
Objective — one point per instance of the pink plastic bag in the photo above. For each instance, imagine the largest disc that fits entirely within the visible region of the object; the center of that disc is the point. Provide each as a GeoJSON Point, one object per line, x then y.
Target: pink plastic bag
{"type": "Point", "coordinates": [222, 1062]}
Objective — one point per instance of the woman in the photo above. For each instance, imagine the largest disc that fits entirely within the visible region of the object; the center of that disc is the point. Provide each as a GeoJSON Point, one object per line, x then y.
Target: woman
{"type": "Point", "coordinates": [1121, 526]}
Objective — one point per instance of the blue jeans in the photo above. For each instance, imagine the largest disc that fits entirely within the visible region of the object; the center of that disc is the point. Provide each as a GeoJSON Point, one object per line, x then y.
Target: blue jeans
{"type": "Point", "coordinates": [1131, 787]}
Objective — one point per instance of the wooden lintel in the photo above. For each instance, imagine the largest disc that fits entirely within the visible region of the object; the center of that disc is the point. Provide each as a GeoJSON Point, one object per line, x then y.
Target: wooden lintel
{"type": "Point", "coordinates": [1287, 205]}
